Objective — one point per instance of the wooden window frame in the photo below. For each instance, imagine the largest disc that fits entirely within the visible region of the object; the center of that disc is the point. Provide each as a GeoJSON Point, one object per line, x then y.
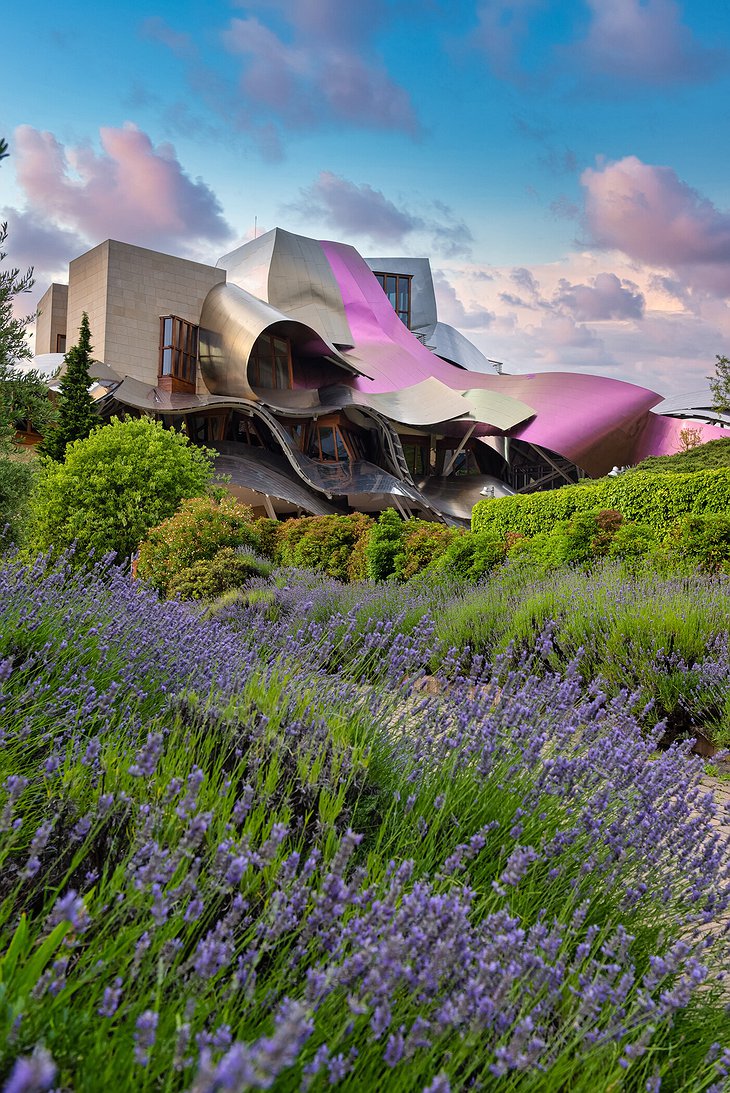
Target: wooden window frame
{"type": "Point", "coordinates": [254, 361]}
{"type": "Point", "coordinates": [182, 346]}
{"type": "Point", "coordinates": [403, 315]}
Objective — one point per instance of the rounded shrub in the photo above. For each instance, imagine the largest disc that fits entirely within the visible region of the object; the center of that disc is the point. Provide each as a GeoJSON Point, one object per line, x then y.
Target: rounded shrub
{"type": "Point", "coordinates": [200, 528]}
{"type": "Point", "coordinates": [114, 486]}
{"type": "Point", "coordinates": [209, 578]}
{"type": "Point", "coordinates": [471, 555]}
{"type": "Point", "coordinates": [329, 544]}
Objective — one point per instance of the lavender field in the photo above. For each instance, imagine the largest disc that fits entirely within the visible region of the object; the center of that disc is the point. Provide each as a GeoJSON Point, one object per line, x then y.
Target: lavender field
{"type": "Point", "coordinates": [411, 837]}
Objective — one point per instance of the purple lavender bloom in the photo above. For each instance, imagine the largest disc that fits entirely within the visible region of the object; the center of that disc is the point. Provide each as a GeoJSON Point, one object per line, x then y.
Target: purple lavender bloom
{"type": "Point", "coordinates": [144, 1036]}
{"type": "Point", "coordinates": [110, 1002]}
{"type": "Point", "coordinates": [146, 760]}
{"type": "Point", "coordinates": [31, 1074]}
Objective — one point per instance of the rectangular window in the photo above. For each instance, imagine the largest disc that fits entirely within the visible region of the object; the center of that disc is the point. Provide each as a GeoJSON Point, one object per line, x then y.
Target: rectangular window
{"type": "Point", "coordinates": [60, 343]}
{"type": "Point", "coordinates": [270, 364]}
{"type": "Point", "coordinates": [397, 287]}
{"type": "Point", "coordinates": [178, 349]}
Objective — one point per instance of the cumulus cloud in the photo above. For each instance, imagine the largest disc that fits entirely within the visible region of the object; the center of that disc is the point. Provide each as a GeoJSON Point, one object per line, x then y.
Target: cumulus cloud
{"type": "Point", "coordinates": [40, 243]}
{"type": "Point", "coordinates": [452, 310]}
{"type": "Point", "coordinates": [645, 41]}
{"type": "Point", "coordinates": [323, 67]}
{"type": "Point", "coordinates": [606, 298]}
{"type": "Point", "coordinates": [360, 210]}
{"type": "Point", "coordinates": [651, 215]}
{"type": "Point", "coordinates": [543, 319]}
{"type": "Point", "coordinates": [132, 190]}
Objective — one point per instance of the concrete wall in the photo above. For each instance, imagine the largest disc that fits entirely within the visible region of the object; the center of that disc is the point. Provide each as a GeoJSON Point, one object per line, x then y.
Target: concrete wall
{"type": "Point", "coordinates": [51, 319]}
{"type": "Point", "coordinates": [125, 290]}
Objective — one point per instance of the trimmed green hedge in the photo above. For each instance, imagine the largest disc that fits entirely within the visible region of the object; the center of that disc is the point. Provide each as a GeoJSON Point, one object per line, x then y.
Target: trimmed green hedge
{"type": "Point", "coordinates": [658, 500]}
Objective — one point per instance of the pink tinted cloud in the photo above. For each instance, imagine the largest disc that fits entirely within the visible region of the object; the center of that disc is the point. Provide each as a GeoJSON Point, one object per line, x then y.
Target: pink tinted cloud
{"type": "Point", "coordinates": [606, 298]}
{"type": "Point", "coordinates": [324, 68]}
{"type": "Point", "coordinates": [132, 190]}
{"type": "Point", "coordinates": [651, 215]}
{"type": "Point", "coordinates": [645, 41]}
{"type": "Point", "coordinates": [360, 210]}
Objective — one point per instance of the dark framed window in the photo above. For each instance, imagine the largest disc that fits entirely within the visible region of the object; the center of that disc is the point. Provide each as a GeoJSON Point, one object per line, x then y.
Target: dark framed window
{"type": "Point", "coordinates": [328, 442]}
{"type": "Point", "coordinates": [178, 349]}
{"type": "Point", "coordinates": [60, 343]}
{"type": "Point", "coordinates": [270, 365]}
{"type": "Point", "coordinates": [397, 287]}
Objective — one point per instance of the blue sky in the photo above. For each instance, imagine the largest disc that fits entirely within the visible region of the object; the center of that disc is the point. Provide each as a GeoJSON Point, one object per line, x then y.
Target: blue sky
{"type": "Point", "coordinates": [563, 164]}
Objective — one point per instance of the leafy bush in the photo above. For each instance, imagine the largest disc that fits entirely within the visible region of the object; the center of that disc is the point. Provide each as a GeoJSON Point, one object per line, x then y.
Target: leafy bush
{"type": "Point", "coordinates": [471, 555]}
{"type": "Point", "coordinates": [422, 543]}
{"type": "Point", "coordinates": [16, 480]}
{"type": "Point", "coordinates": [324, 543]}
{"type": "Point", "coordinates": [200, 528]}
{"type": "Point", "coordinates": [633, 540]}
{"type": "Point", "coordinates": [713, 454]}
{"type": "Point", "coordinates": [208, 578]}
{"type": "Point", "coordinates": [115, 486]}
{"type": "Point", "coordinates": [267, 532]}
{"type": "Point", "coordinates": [658, 500]}
{"type": "Point", "coordinates": [703, 540]}
{"type": "Point", "coordinates": [385, 543]}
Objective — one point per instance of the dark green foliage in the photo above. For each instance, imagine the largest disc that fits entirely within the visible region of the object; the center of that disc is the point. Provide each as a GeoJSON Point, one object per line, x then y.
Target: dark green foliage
{"type": "Point", "coordinates": [655, 499]}
{"type": "Point", "coordinates": [76, 415]}
{"type": "Point", "coordinates": [720, 385]}
{"type": "Point", "coordinates": [200, 528]}
{"type": "Point", "coordinates": [211, 577]}
{"type": "Point", "coordinates": [471, 555]}
{"type": "Point", "coordinates": [703, 540]}
{"type": "Point", "coordinates": [714, 454]}
{"type": "Point", "coordinates": [329, 544]}
{"type": "Point", "coordinates": [114, 486]}
{"type": "Point", "coordinates": [267, 531]}
{"type": "Point", "coordinates": [385, 542]}
{"type": "Point", "coordinates": [423, 543]}
{"type": "Point", "coordinates": [15, 484]}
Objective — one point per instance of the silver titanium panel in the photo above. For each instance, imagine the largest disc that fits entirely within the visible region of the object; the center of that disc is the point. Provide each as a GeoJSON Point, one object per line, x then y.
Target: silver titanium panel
{"type": "Point", "coordinates": [292, 274]}
{"type": "Point", "coordinates": [230, 322]}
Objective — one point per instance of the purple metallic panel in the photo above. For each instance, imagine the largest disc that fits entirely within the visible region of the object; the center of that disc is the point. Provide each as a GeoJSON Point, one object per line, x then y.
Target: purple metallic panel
{"type": "Point", "coordinates": [592, 420]}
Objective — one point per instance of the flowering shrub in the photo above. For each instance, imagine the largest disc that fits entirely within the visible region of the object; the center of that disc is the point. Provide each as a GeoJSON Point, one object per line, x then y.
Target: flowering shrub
{"type": "Point", "coordinates": [225, 866]}
{"type": "Point", "coordinates": [325, 543]}
{"type": "Point", "coordinates": [200, 528]}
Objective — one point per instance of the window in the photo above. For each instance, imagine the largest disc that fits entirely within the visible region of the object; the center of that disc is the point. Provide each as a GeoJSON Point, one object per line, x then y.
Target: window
{"type": "Point", "coordinates": [60, 343]}
{"type": "Point", "coordinates": [397, 287]}
{"type": "Point", "coordinates": [269, 365]}
{"type": "Point", "coordinates": [328, 443]}
{"type": "Point", "coordinates": [178, 349]}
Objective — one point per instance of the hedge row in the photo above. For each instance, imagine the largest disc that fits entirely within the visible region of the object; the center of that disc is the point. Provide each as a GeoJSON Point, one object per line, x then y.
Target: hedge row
{"type": "Point", "coordinates": [657, 500]}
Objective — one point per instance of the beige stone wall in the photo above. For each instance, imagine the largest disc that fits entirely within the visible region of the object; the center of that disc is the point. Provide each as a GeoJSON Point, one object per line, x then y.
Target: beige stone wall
{"type": "Point", "coordinates": [125, 290]}
{"type": "Point", "coordinates": [87, 291]}
{"type": "Point", "coordinates": [51, 319]}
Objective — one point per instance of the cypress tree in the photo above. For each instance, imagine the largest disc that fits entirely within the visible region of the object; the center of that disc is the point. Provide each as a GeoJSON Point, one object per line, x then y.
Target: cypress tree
{"type": "Point", "coordinates": [76, 415]}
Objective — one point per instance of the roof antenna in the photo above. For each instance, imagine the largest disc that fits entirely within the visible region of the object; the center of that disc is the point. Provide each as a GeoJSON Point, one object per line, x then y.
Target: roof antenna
{"type": "Point", "coordinates": [255, 227]}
